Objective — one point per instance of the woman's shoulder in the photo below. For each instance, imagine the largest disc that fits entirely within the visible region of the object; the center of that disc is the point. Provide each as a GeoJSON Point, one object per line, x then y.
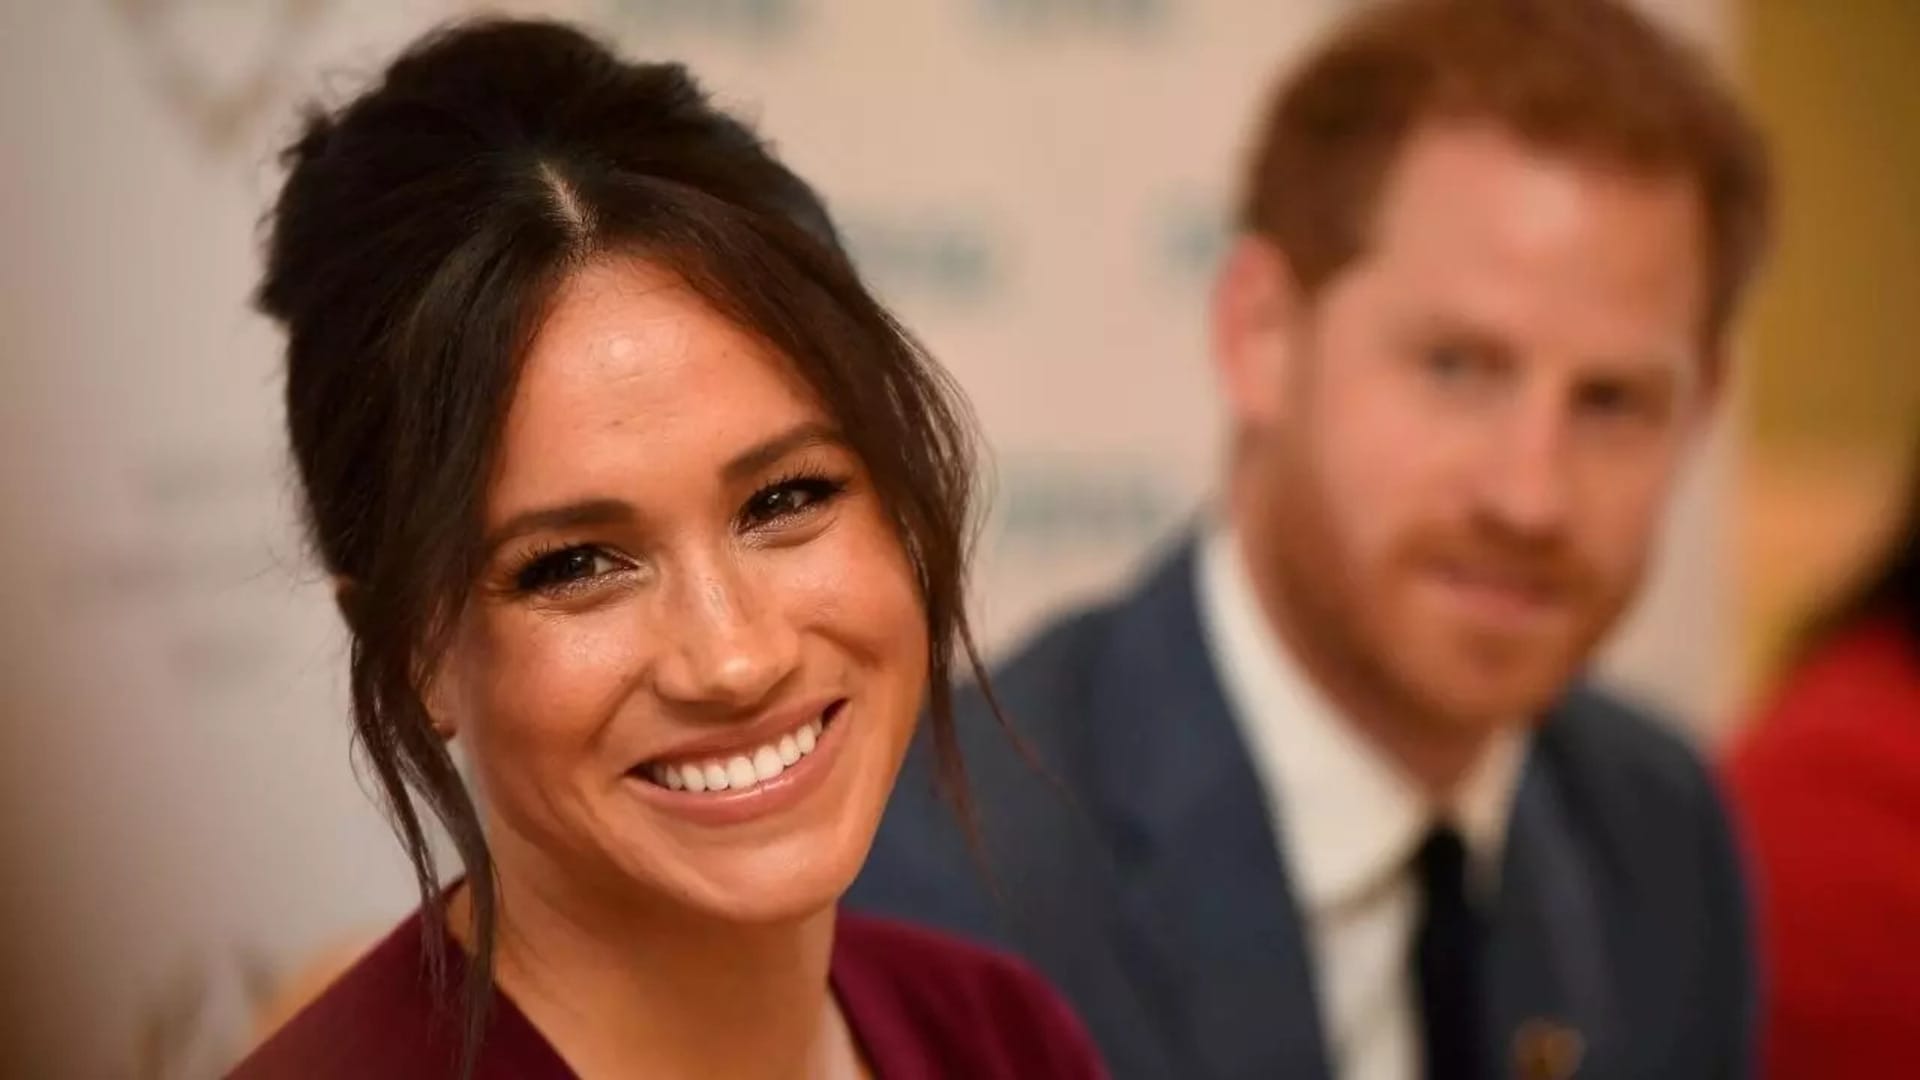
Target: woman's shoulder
{"type": "Point", "coordinates": [379, 1019]}
{"type": "Point", "coordinates": [1850, 698]}
{"type": "Point", "coordinates": [1871, 668]}
{"type": "Point", "coordinates": [1836, 744]}
{"type": "Point", "coordinates": [925, 1003]}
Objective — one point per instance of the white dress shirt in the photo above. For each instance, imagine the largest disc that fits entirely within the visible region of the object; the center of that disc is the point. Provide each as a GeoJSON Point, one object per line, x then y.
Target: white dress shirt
{"type": "Point", "coordinates": [1349, 824]}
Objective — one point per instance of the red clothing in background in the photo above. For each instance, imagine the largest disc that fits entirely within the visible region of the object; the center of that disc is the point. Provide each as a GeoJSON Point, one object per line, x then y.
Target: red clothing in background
{"type": "Point", "coordinates": [1826, 786]}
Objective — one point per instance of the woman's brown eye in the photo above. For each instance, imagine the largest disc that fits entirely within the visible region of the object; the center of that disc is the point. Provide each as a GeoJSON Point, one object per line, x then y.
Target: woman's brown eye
{"type": "Point", "coordinates": [563, 567]}
{"type": "Point", "coordinates": [789, 498]}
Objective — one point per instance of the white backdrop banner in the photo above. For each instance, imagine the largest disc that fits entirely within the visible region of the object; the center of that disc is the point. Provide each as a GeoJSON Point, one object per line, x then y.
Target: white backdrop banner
{"type": "Point", "coordinates": [1037, 186]}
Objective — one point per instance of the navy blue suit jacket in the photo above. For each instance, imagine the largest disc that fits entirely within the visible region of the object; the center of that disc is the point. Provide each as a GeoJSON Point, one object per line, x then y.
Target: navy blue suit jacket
{"type": "Point", "coordinates": [1140, 870]}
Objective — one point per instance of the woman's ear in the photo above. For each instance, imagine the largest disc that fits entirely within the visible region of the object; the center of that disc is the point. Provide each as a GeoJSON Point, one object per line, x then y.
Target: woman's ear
{"type": "Point", "coordinates": [434, 696]}
{"type": "Point", "coordinates": [439, 691]}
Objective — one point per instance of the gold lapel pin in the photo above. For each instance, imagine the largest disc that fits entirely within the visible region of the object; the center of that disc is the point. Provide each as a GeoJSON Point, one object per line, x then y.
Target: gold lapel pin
{"type": "Point", "coordinates": [1546, 1050]}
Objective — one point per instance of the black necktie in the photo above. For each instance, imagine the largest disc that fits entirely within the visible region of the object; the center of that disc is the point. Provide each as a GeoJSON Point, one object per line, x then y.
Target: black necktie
{"type": "Point", "coordinates": [1447, 960]}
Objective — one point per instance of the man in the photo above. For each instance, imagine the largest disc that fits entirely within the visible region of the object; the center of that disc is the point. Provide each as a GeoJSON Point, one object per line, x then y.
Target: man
{"type": "Point", "coordinates": [1324, 796]}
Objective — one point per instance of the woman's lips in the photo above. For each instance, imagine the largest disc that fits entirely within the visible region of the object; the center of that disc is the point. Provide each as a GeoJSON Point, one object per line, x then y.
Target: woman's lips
{"type": "Point", "coordinates": [750, 782]}
{"type": "Point", "coordinates": [744, 764]}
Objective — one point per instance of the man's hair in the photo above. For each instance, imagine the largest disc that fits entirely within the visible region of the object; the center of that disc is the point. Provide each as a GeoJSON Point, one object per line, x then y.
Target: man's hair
{"type": "Point", "coordinates": [1588, 78]}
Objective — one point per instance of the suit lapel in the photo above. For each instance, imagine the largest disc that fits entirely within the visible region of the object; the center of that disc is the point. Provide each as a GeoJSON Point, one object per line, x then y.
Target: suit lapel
{"type": "Point", "coordinates": [1208, 922]}
{"type": "Point", "coordinates": [1550, 1000]}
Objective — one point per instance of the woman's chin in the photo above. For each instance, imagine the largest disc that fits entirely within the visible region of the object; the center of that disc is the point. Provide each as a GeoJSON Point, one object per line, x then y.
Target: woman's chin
{"type": "Point", "coordinates": [765, 893]}
{"type": "Point", "coordinates": [780, 877]}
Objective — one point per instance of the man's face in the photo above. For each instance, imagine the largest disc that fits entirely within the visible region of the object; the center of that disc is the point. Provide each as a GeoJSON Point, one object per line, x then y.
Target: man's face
{"type": "Point", "coordinates": [1455, 456]}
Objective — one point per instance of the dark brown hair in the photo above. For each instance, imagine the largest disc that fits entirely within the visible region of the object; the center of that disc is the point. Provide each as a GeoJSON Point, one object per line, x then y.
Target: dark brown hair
{"type": "Point", "coordinates": [1585, 77]}
{"type": "Point", "coordinates": [420, 234]}
{"type": "Point", "coordinates": [1889, 588]}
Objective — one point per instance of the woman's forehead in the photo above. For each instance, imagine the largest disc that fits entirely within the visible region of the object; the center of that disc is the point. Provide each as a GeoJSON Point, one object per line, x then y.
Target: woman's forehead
{"type": "Point", "coordinates": [632, 366]}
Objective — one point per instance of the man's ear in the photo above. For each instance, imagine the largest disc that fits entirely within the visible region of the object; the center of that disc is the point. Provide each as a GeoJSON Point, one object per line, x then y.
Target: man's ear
{"type": "Point", "coordinates": [1716, 377]}
{"type": "Point", "coordinates": [1255, 312]}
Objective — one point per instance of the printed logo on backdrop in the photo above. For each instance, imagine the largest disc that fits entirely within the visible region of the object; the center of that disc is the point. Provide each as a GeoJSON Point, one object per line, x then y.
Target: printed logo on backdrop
{"type": "Point", "coordinates": [1055, 505]}
{"type": "Point", "coordinates": [1187, 235]}
{"type": "Point", "coordinates": [748, 21]}
{"type": "Point", "coordinates": [1068, 527]}
{"type": "Point", "coordinates": [1054, 16]}
{"type": "Point", "coordinates": [948, 260]}
{"type": "Point", "coordinates": [196, 565]}
{"type": "Point", "coordinates": [220, 67]}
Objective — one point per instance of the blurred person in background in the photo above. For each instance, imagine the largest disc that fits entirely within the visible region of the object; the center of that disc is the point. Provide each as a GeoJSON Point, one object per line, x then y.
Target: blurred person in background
{"type": "Point", "coordinates": [1825, 784]}
{"type": "Point", "coordinates": [632, 490]}
{"type": "Point", "coordinates": [1337, 800]}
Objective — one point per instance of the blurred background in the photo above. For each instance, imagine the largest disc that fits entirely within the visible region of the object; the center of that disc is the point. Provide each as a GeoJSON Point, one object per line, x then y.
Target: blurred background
{"type": "Point", "coordinates": [1037, 186]}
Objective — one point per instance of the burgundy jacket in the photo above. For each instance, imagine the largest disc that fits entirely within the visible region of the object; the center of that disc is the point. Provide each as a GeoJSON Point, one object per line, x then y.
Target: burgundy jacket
{"type": "Point", "coordinates": [922, 1005]}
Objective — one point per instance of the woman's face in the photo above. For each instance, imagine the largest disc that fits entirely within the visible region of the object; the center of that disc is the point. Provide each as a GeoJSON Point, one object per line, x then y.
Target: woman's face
{"type": "Point", "coordinates": [695, 656]}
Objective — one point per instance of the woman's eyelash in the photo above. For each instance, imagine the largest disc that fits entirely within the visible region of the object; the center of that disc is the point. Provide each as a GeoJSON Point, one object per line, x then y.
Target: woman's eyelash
{"type": "Point", "coordinates": [555, 567]}
{"type": "Point", "coordinates": [789, 496]}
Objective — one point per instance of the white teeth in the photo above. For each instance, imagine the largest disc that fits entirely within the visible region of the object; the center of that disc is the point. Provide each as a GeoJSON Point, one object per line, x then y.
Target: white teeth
{"type": "Point", "coordinates": [739, 773]}
{"type": "Point", "coordinates": [693, 777]}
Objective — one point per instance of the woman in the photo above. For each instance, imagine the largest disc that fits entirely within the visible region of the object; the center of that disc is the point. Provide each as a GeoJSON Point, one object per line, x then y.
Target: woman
{"type": "Point", "coordinates": [634, 493]}
{"type": "Point", "coordinates": [1826, 784]}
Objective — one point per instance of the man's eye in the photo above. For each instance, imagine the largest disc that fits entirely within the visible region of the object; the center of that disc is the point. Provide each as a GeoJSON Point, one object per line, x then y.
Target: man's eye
{"type": "Point", "coordinates": [1456, 363]}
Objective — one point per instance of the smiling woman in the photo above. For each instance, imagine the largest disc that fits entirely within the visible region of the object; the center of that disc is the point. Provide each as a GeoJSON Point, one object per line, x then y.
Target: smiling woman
{"type": "Point", "coordinates": [633, 493]}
